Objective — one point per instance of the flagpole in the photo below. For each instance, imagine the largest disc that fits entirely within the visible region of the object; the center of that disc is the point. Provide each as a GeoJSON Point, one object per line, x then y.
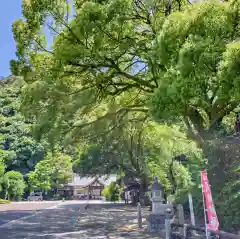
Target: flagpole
{"type": "Point", "coordinates": [204, 210]}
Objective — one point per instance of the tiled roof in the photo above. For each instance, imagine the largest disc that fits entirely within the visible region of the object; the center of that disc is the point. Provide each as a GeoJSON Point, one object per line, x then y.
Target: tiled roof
{"type": "Point", "coordinates": [85, 181]}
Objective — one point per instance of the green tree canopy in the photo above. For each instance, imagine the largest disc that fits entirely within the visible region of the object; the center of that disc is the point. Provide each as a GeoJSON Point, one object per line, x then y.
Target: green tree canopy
{"type": "Point", "coordinates": [102, 51]}
{"type": "Point", "coordinates": [200, 86]}
{"type": "Point", "coordinates": [140, 151]}
{"type": "Point", "coordinates": [112, 192]}
{"type": "Point", "coordinates": [40, 178]}
{"type": "Point", "coordinates": [199, 50]}
{"type": "Point", "coordinates": [127, 59]}
{"type": "Point", "coordinates": [14, 185]}
{"type": "Point", "coordinates": [52, 172]}
{"type": "Point", "coordinates": [18, 150]}
{"type": "Point", "coordinates": [123, 52]}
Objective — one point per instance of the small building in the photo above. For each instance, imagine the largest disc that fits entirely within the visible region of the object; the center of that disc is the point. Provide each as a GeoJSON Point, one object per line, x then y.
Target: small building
{"type": "Point", "coordinates": [91, 187]}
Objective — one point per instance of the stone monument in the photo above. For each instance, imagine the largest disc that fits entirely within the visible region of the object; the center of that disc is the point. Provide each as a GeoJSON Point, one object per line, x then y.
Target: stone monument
{"type": "Point", "coordinates": [156, 220]}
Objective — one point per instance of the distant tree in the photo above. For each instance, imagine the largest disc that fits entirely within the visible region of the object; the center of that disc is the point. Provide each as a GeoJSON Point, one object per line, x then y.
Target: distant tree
{"type": "Point", "coordinates": [14, 185]}
{"type": "Point", "coordinates": [2, 170]}
{"type": "Point", "coordinates": [112, 192]}
{"type": "Point", "coordinates": [18, 149]}
{"type": "Point", "coordinates": [141, 151]}
{"type": "Point", "coordinates": [40, 178]}
{"type": "Point", "coordinates": [62, 165]}
{"type": "Point", "coordinates": [51, 172]}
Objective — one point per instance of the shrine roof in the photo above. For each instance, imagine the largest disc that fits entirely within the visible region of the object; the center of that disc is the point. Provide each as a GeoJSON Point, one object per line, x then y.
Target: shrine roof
{"type": "Point", "coordinates": [86, 181]}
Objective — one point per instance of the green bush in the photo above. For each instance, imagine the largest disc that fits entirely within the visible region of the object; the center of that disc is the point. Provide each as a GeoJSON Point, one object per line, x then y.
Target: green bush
{"type": "Point", "coordinates": [3, 201]}
{"type": "Point", "coordinates": [106, 194]}
{"type": "Point", "coordinates": [112, 192]}
{"type": "Point", "coordinates": [57, 197]}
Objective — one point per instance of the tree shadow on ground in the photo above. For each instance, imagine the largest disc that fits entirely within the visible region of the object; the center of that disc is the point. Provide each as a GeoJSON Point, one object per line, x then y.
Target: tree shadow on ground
{"type": "Point", "coordinates": [73, 221]}
{"type": "Point", "coordinates": [7, 216]}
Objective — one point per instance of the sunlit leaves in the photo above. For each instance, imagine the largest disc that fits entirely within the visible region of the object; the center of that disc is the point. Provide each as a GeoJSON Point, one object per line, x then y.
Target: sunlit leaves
{"type": "Point", "coordinates": [199, 49]}
{"type": "Point", "coordinates": [54, 171]}
{"type": "Point", "coordinates": [14, 185]}
{"type": "Point", "coordinates": [101, 52]}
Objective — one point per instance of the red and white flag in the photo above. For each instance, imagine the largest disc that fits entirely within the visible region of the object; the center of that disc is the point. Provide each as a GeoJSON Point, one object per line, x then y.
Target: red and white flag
{"type": "Point", "coordinates": [213, 222]}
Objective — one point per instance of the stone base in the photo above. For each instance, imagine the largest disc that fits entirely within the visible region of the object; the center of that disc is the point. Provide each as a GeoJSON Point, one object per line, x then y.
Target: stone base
{"type": "Point", "coordinates": [156, 223]}
{"type": "Point", "coordinates": [159, 208]}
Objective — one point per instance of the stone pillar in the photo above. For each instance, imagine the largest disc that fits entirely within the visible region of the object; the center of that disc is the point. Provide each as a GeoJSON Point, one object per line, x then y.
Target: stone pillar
{"type": "Point", "coordinates": [180, 216]}
{"type": "Point", "coordinates": [168, 216]}
{"type": "Point", "coordinates": [139, 216]}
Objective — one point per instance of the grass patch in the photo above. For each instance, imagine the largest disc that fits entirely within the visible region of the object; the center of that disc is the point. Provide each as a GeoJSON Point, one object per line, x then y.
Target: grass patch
{"type": "Point", "coordinates": [3, 201]}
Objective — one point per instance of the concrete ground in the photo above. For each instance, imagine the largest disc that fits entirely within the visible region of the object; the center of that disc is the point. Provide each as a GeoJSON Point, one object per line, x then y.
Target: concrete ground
{"type": "Point", "coordinates": [15, 210]}
{"type": "Point", "coordinates": [72, 219]}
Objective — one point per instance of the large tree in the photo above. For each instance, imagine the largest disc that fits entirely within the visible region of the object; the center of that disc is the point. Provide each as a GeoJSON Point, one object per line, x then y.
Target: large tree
{"type": "Point", "coordinates": [124, 51]}
{"type": "Point", "coordinates": [199, 50]}
{"type": "Point", "coordinates": [140, 151]}
{"type": "Point", "coordinates": [110, 59]}
{"type": "Point", "coordinates": [101, 51]}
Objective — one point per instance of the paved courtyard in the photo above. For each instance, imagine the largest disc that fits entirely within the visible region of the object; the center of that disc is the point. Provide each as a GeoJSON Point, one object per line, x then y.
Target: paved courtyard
{"type": "Point", "coordinates": [73, 219]}
{"type": "Point", "coordinates": [15, 210]}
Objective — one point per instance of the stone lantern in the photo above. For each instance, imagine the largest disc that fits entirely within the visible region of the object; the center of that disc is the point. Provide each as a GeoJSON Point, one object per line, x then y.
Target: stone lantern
{"type": "Point", "coordinates": [157, 196]}
{"type": "Point", "coordinates": [156, 220]}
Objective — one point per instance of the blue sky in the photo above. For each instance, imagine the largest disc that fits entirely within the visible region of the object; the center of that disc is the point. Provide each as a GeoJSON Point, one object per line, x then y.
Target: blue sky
{"type": "Point", "coordinates": [11, 11]}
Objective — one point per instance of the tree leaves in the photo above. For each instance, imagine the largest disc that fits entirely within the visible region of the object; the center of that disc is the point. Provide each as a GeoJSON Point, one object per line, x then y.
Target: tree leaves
{"type": "Point", "coordinates": [14, 185]}
{"type": "Point", "coordinates": [196, 47]}
{"type": "Point", "coordinates": [19, 151]}
{"type": "Point", "coordinates": [52, 172]}
{"type": "Point", "coordinates": [102, 52]}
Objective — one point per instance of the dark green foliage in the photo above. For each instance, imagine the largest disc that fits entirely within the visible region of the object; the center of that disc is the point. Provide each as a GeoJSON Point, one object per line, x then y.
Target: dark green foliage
{"type": "Point", "coordinates": [224, 175]}
{"type": "Point", "coordinates": [18, 150]}
{"type": "Point", "coordinates": [2, 171]}
{"type": "Point", "coordinates": [141, 151]}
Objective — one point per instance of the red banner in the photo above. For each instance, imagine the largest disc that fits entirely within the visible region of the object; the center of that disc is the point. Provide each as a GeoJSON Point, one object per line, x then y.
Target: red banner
{"type": "Point", "coordinates": [213, 222]}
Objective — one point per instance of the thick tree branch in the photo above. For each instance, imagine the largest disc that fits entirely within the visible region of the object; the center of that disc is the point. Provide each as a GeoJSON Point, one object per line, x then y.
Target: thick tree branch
{"type": "Point", "coordinates": [191, 134]}
{"type": "Point", "coordinates": [196, 119]}
{"type": "Point", "coordinates": [131, 77]}
{"type": "Point", "coordinates": [225, 110]}
{"type": "Point", "coordinates": [42, 47]}
{"type": "Point", "coordinates": [124, 110]}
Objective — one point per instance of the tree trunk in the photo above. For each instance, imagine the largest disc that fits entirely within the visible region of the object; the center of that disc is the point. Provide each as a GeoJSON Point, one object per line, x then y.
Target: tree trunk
{"type": "Point", "coordinates": [143, 198]}
{"type": "Point", "coordinates": [172, 178]}
{"type": "Point", "coordinates": [143, 187]}
{"type": "Point", "coordinates": [215, 127]}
